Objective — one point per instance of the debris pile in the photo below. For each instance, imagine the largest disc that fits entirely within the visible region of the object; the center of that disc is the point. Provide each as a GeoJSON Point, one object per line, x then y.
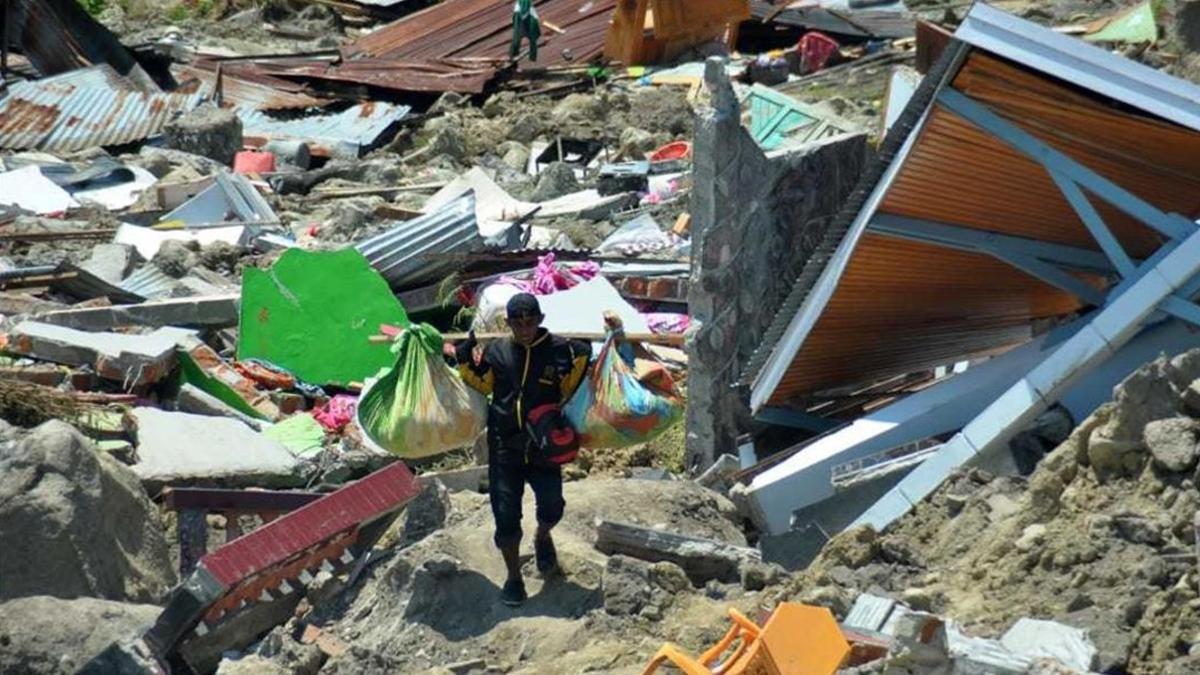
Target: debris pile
{"type": "Point", "coordinates": [872, 263]}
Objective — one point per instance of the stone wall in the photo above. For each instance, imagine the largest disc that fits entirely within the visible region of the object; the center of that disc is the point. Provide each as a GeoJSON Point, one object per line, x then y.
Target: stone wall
{"type": "Point", "coordinates": [755, 220]}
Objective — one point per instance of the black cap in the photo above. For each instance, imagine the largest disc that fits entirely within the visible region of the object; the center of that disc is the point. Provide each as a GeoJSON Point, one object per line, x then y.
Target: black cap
{"type": "Point", "coordinates": [523, 305]}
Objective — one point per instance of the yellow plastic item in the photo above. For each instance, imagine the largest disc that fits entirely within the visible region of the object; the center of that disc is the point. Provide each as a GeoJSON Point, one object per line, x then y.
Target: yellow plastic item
{"type": "Point", "coordinates": [796, 640]}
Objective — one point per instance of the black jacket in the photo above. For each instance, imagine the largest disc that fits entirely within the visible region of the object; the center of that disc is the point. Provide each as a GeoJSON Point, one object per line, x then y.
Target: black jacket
{"type": "Point", "coordinates": [519, 379]}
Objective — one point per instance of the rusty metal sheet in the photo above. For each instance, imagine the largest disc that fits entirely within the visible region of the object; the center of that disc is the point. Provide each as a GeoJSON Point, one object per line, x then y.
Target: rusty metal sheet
{"type": "Point", "coordinates": [58, 36]}
{"type": "Point", "coordinates": [248, 89]}
{"type": "Point", "coordinates": [56, 114]}
{"type": "Point", "coordinates": [893, 306]}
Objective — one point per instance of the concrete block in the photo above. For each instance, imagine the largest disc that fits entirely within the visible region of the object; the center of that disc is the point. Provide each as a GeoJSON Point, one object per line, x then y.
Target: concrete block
{"type": "Point", "coordinates": [793, 550]}
{"type": "Point", "coordinates": [719, 474]}
{"type": "Point", "coordinates": [131, 359]}
{"type": "Point", "coordinates": [1034, 638]}
{"type": "Point", "coordinates": [470, 479]}
{"type": "Point", "coordinates": [207, 131]}
{"type": "Point", "coordinates": [194, 400]}
{"type": "Point", "coordinates": [870, 612]}
{"type": "Point", "coordinates": [210, 312]}
{"type": "Point", "coordinates": [112, 262]}
{"type": "Point", "coordinates": [182, 449]}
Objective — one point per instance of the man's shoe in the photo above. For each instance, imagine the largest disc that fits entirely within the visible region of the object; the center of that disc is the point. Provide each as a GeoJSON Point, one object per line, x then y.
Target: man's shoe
{"type": "Point", "coordinates": [513, 593]}
{"type": "Point", "coordinates": [547, 557]}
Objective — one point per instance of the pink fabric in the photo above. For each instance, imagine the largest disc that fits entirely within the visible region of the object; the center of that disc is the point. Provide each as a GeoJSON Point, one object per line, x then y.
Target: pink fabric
{"type": "Point", "coordinates": [550, 276]}
{"type": "Point", "coordinates": [667, 323]}
{"type": "Point", "coordinates": [337, 413]}
{"type": "Point", "coordinates": [815, 50]}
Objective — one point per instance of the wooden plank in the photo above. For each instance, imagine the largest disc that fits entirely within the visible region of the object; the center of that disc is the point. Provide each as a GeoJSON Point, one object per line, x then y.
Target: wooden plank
{"type": "Point", "coordinates": [702, 559]}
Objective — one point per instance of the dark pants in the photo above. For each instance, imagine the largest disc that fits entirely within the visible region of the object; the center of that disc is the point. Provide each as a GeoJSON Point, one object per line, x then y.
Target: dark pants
{"type": "Point", "coordinates": [506, 488]}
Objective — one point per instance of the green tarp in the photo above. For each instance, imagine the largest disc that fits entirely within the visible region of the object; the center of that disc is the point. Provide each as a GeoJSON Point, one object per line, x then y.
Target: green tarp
{"type": "Point", "coordinates": [312, 313]}
{"type": "Point", "coordinates": [194, 375]}
{"type": "Point", "coordinates": [1134, 26]}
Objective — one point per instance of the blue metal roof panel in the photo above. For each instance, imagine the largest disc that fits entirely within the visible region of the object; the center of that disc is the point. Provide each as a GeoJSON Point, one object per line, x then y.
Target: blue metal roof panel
{"type": "Point", "coordinates": [401, 254]}
{"type": "Point", "coordinates": [349, 131]}
{"type": "Point", "coordinates": [58, 116]}
{"type": "Point", "coordinates": [1081, 64]}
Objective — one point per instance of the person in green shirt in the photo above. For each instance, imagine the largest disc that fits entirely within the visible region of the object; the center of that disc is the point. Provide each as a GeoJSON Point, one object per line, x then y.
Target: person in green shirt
{"type": "Point", "coordinates": [525, 25]}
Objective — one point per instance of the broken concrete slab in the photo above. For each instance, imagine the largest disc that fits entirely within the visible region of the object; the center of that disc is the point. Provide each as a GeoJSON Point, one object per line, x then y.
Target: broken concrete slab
{"type": "Point", "coordinates": [42, 634]}
{"type": "Point", "coordinates": [208, 131]}
{"type": "Point", "coordinates": [112, 262]}
{"type": "Point", "coordinates": [312, 314]}
{"type": "Point", "coordinates": [702, 559]}
{"type": "Point", "coordinates": [192, 399]}
{"type": "Point", "coordinates": [182, 449]}
{"type": "Point", "coordinates": [219, 311]}
{"type": "Point", "coordinates": [130, 359]}
{"type": "Point", "coordinates": [469, 479]}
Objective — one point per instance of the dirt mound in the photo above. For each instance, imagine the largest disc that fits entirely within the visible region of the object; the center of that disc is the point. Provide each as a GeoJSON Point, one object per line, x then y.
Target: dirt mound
{"type": "Point", "coordinates": [43, 635]}
{"type": "Point", "coordinates": [435, 604]}
{"type": "Point", "coordinates": [1100, 536]}
{"type": "Point", "coordinates": [75, 522]}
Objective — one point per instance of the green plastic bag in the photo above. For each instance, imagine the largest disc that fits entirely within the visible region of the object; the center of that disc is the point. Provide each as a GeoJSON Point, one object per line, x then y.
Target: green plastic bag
{"type": "Point", "coordinates": [420, 407]}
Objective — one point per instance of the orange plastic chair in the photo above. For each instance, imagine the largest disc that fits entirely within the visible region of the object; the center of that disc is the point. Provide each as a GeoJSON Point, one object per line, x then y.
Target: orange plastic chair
{"type": "Point", "coordinates": [796, 640]}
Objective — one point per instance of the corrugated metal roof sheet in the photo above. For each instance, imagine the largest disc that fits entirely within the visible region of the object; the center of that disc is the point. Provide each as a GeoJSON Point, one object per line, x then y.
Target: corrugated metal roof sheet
{"type": "Point", "coordinates": [58, 36]}
{"type": "Point", "coordinates": [348, 133]}
{"type": "Point", "coordinates": [150, 282]}
{"type": "Point", "coordinates": [868, 306]}
{"type": "Point", "coordinates": [400, 254]}
{"type": "Point", "coordinates": [855, 23]}
{"type": "Point", "coordinates": [245, 88]}
{"type": "Point", "coordinates": [63, 117]}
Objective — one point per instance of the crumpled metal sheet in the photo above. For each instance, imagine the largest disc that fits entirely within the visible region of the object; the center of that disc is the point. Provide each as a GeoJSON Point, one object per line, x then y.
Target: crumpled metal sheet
{"type": "Point", "coordinates": [347, 133]}
{"type": "Point", "coordinates": [72, 111]}
{"type": "Point", "coordinates": [402, 255]}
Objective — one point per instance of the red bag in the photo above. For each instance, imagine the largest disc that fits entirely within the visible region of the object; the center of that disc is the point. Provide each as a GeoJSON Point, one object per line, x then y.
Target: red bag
{"type": "Point", "coordinates": [554, 439]}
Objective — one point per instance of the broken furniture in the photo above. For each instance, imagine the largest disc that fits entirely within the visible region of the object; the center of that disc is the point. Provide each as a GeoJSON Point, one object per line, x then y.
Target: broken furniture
{"type": "Point", "coordinates": [194, 504]}
{"type": "Point", "coordinates": [795, 639]}
{"type": "Point", "coordinates": [253, 582]}
{"type": "Point", "coordinates": [1050, 216]}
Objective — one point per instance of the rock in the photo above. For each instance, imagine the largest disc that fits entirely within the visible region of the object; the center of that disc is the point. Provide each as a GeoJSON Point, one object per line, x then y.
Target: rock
{"type": "Point", "coordinates": [514, 155]}
{"type": "Point", "coordinates": [635, 143]}
{"type": "Point", "coordinates": [577, 109]}
{"type": "Point", "coordinates": [208, 131]}
{"type": "Point", "coordinates": [1137, 529]}
{"type": "Point", "coordinates": [757, 576]}
{"type": "Point", "coordinates": [835, 599]}
{"type": "Point", "coordinates": [1172, 443]}
{"type": "Point", "coordinates": [851, 548]}
{"type": "Point", "coordinates": [448, 102]}
{"type": "Point", "coordinates": [295, 657]}
{"type": "Point", "coordinates": [626, 585]}
{"type": "Point", "coordinates": [955, 504]}
{"type": "Point", "coordinates": [251, 665]}
{"type": "Point", "coordinates": [669, 577]}
{"type": "Point", "coordinates": [499, 104]}
{"type": "Point", "coordinates": [556, 180]}
{"type": "Point", "coordinates": [84, 524]}
{"type": "Point", "coordinates": [1113, 642]}
{"type": "Point", "coordinates": [41, 634]}
{"type": "Point", "coordinates": [1191, 398]}
{"type": "Point", "coordinates": [525, 128]}
{"type": "Point", "coordinates": [448, 142]}
{"type": "Point", "coordinates": [1115, 448]}
{"type": "Point", "coordinates": [922, 599]}
{"type": "Point", "coordinates": [221, 256]}
{"type": "Point", "coordinates": [1187, 24]}
{"type": "Point", "coordinates": [427, 513]}
{"type": "Point", "coordinates": [112, 262]}
{"type": "Point", "coordinates": [177, 258]}
{"type": "Point", "coordinates": [1032, 537]}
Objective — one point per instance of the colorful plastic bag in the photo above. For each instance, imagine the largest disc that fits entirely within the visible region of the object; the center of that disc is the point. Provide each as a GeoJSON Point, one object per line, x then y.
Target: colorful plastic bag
{"type": "Point", "coordinates": [627, 398]}
{"type": "Point", "coordinates": [420, 407]}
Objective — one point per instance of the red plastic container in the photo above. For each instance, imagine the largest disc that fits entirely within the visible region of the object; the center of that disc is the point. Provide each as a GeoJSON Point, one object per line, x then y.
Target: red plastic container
{"type": "Point", "coordinates": [253, 161]}
{"type": "Point", "coordinates": [672, 151]}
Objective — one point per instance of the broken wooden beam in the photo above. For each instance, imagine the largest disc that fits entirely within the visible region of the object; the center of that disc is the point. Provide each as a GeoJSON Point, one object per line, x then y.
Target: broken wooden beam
{"type": "Point", "coordinates": [702, 559]}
